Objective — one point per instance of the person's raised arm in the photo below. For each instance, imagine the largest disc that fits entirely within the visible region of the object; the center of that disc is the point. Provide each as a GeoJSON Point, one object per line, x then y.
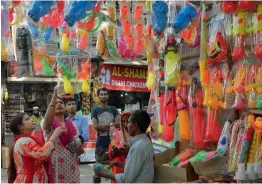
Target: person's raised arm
{"type": "Point", "coordinates": [50, 113]}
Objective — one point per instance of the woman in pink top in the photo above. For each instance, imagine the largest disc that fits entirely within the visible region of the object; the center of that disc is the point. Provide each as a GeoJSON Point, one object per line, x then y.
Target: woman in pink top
{"type": "Point", "coordinates": [63, 165]}
{"type": "Point", "coordinates": [27, 157]}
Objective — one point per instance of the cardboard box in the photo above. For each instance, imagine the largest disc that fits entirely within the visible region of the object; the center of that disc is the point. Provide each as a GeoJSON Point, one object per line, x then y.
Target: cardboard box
{"type": "Point", "coordinates": [210, 168]}
{"type": "Point", "coordinates": [5, 157]}
{"type": "Point", "coordinates": [168, 174]}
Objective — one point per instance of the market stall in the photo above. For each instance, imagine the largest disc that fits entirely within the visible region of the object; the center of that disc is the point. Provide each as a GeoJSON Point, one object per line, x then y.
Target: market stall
{"type": "Point", "coordinates": [198, 62]}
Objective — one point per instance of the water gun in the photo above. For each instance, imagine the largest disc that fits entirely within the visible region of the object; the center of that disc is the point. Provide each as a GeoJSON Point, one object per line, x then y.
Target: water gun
{"type": "Point", "coordinates": [223, 142]}
{"type": "Point", "coordinates": [213, 127]}
{"type": "Point", "coordinates": [47, 69]}
{"type": "Point", "coordinates": [172, 60]}
{"type": "Point", "coordinates": [66, 34]}
{"type": "Point", "coordinates": [251, 153]}
{"type": "Point", "coordinates": [139, 38]}
{"type": "Point", "coordinates": [228, 6]}
{"type": "Point", "coordinates": [55, 19]}
{"type": "Point", "coordinates": [197, 113]}
{"type": "Point", "coordinates": [40, 9]}
{"type": "Point", "coordinates": [77, 11]}
{"type": "Point", "coordinates": [217, 49]}
{"type": "Point", "coordinates": [91, 18]}
{"type": "Point", "coordinates": [183, 156]}
{"type": "Point", "coordinates": [150, 84]}
{"type": "Point", "coordinates": [203, 66]}
{"type": "Point", "coordinates": [169, 114]}
{"type": "Point", "coordinates": [159, 16]}
{"type": "Point", "coordinates": [182, 107]}
{"type": "Point", "coordinates": [239, 32]}
{"type": "Point", "coordinates": [245, 5]}
{"type": "Point", "coordinates": [237, 127]}
{"type": "Point", "coordinates": [202, 156]}
{"type": "Point", "coordinates": [217, 89]}
{"type": "Point", "coordinates": [190, 34]}
{"type": "Point", "coordinates": [68, 88]}
{"type": "Point", "coordinates": [258, 143]}
{"type": "Point", "coordinates": [100, 167]}
{"type": "Point", "coordinates": [84, 75]}
{"type": "Point", "coordinates": [258, 29]}
{"type": "Point", "coordinates": [184, 17]}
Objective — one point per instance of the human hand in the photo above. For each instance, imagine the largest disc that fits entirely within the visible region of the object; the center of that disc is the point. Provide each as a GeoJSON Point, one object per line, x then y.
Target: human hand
{"type": "Point", "coordinates": [58, 131]}
{"type": "Point", "coordinates": [109, 163]}
{"type": "Point", "coordinates": [80, 151]}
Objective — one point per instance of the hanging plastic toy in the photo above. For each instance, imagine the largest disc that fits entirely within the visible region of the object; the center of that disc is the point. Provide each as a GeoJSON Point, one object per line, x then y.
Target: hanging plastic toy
{"type": "Point", "coordinates": [40, 9]}
{"type": "Point", "coordinates": [150, 84]}
{"type": "Point", "coordinates": [77, 11]}
{"type": "Point", "coordinates": [159, 16]}
{"type": "Point", "coordinates": [258, 30]}
{"type": "Point", "coordinates": [184, 17]}
{"type": "Point", "coordinates": [197, 113]}
{"type": "Point", "coordinates": [138, 12]}
{"type": "Point", "coordinates": [169, 114]}
{"type": "Point", "coordinates": [239, 31]}
{"type": "Point", "coordinates": [228, 6]}
{"type": "Point", "coordinates": [223, 143]}
{"type": "Point", "coordinates": [47, 69]}
{"type": "Point", "coordinates": [172, 63]}
{"type": "Point", "coordinates": [245, 5]}
{"type": "Point", "coordinates": [217, 49]}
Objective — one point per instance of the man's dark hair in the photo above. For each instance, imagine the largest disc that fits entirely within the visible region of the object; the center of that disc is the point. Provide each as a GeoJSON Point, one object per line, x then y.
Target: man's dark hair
{"type": "Point", "coordinates": [101, 89]}
{"type": "Point", "coordinates": [69, 100]}
{"type": "Point", "coordinates": [142, 119]}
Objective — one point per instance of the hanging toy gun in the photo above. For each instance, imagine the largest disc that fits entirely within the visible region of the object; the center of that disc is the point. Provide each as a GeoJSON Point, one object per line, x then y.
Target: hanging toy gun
{"type": "Point", "coordinates": [258, 44]}
{"type": "Point", "coordinates": [84, 75]}
{"type": "Point", "coordinates": [40, 9]}
{"type": "Point", "coordinates": [239, 32]}
{"type": "Point", "coordinates": [172, 62]}
{"type": "Point", "coordinates": [159, 16]}
{"type": "Point", "coordinates": [78, 11]}
{"type": "Point", "coordinates": [197, 113]}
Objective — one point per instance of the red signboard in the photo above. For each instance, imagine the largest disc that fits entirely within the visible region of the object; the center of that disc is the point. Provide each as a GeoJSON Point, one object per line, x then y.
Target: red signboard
{"type": "Point", "coordinates": [124, 78]}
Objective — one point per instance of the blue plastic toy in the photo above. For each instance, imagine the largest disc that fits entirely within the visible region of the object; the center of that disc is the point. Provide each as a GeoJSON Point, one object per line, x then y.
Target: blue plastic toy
{"type": "Point", "coordinates": [159, 16]}
{"type": "Point", "coordinates": [33, 29]}
{"type": "Point", "coordinates": [184, 17]}
{"type": "Point", "coordinates": [40, 9]}
{"type": "Point", "coordinates": [78, 11]}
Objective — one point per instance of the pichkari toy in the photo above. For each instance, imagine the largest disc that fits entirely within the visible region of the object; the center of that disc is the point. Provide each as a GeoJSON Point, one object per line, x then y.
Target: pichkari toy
{"type": "Point", "coordinates": [197, 113]}
{"type": "Point", "coordinates": [77, 11]}
{"type": "Point", "coordinates": [182, 107]}
{"type": "Point", "coordinates": [159, 16]}
{"type": "Point", "coordinates": [188, 153]}
{"type": "Point", "coordinates": [40, 9]}
{"type": "Point", "coordinates": [202, 156]}
{"type": "Point", "coordinates": [258, 31]}
{"type": "Point", "coordinates": [184, 17]}
{"type": "Point", "coordinates": [169, 114]}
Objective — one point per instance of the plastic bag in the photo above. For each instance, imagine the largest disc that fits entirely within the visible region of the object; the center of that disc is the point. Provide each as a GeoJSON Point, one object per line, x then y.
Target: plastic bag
{"type": "Point", "coordinates": [169, 114]}
{"type": "Point", "coordinates": [258, 29]}
{"type": "Point", "coordinates": [223, 143]}
{"type": "Point", "coordinates": [197, 114]}
{"type": "Point", "coordinates": [159, 16]}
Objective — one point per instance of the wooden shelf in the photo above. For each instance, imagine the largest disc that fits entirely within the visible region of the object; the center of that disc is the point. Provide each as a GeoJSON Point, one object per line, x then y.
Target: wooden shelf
{"type": "Point", "coordinates": [255, 111]}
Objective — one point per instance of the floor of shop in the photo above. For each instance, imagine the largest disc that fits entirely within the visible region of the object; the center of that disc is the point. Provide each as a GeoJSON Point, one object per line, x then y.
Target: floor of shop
{"type": "Point", "coordinates": [86, 174]}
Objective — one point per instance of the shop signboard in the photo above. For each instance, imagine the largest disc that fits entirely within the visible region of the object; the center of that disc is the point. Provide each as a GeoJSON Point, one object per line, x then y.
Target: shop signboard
{"type": "Point", "coordinates": [124, 78]}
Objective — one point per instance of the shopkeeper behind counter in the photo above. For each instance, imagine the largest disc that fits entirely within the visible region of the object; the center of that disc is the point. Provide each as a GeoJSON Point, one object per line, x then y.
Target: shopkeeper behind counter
{"type": "Point", "coordinates": [36, 117]}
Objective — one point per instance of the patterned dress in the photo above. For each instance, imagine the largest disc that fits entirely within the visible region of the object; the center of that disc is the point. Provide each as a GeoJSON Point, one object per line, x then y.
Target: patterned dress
{"type": "Point", "coordinates": [29, 160]}
{"type": "Point", "coordinates": [63, 165]}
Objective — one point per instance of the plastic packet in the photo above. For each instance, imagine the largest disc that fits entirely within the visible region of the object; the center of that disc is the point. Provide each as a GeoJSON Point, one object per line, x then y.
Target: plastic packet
{"type": "Point", "coordinates": [169, 114]}
{"type": "Point", "coordinates": [213, 127]}
{"type": "Point", "coordinates": [159, 16]}
{"type": "Point", "coordinates": [197, 114]}
{"type": "Point", "coordinates": [223, 143]}
{"type": "Point", "coordinates": [67, 67]}
{"type": "Point", "coordinates": [173, 63]}
{"type": "Point", "coordinates": [239, 32]}
{"type": "Point", "coordinates": [182, 107]}
{"type": "Point", "coordinates": [217, 46]}
{"type": "Point", "coordinates": [258, 33]}
{"type": "Point", "coordinates": [185, 155]}
{"type": "Point", "coordinates": [84, 74]}
{"type": "Point", "coordinates": [235, 145]}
